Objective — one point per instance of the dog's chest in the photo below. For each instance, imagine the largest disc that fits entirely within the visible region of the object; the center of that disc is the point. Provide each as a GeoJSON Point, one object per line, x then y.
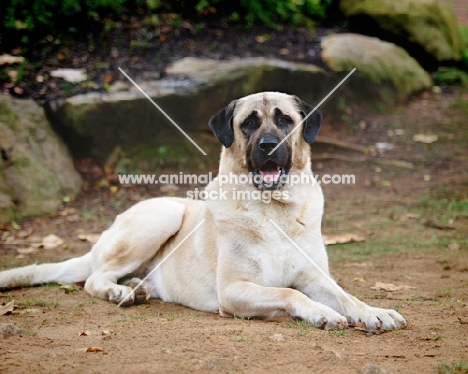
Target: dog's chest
{"type": "Point", "coordinates": [275, 261]}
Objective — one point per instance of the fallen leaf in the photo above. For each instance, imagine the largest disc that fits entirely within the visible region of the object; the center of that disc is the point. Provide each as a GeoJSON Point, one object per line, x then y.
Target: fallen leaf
{"type": "Point", "coordinates": [408, 216]}
{"type": "Point", "coordinates": [68, 211]}
{"type": "Point", "coordinates": [26, 251]}
{"type": "Point", "coordinates": [28, 311]}
{"type": "Point", "coordinates": [438, 226]}
{"type": "Point", "coordinates": [70, 75]}
{"type": "Point", "coordinates": [91, 238]}
{"type": "Point", "coordinates": [425, 138]}
{"type": "Point", "coordinates": [359, 279]}
{"type": "Point", "coordinates": [108, 78]}
{"type": "Point", "coordinates": [8, 59]}
{"type": "Point", "coordinates": [94, 349]}
{"type": "Point", "coordinates": [453, 247]}
{"type": "Point", "coordinates": [277, 338]}
{"type": "Point", "coordinates": [342, 238]}
{"type": "Point", "coordinates": [390, 287]}
{"type": "Point", "coordinates": [7, 308]}
{"type": "Point", "coordinates": [52, 241]}
{"type": "Point", "coordinates": [18, 90]}
{"type": "Point", "coordinates": [84, 333]}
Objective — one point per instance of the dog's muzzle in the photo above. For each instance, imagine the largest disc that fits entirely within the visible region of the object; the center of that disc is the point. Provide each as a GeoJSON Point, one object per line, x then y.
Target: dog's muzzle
{"type": "Point", "coordinates": [269, 171]}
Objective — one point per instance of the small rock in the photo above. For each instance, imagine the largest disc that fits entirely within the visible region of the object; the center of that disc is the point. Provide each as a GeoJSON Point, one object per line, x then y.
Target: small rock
{"type": "Point", "coordinates": [9, 329]}
{"type": "Point", "coordinates": [52, 241]}
{"type": "Point", "coordinates": [373, 369]}
{"type": "Point", "coordinates": [70, 75]}
{"type": "Point", "coordinates": [277, 338]}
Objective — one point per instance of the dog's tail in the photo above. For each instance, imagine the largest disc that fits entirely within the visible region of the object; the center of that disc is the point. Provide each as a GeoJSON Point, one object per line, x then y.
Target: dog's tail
{"type": "Point", "coordinates": [69, 271]}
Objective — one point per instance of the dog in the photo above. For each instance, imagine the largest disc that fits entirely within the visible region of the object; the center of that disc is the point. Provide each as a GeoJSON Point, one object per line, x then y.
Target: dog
{"type": "Point", "coordinates": [247, 257]}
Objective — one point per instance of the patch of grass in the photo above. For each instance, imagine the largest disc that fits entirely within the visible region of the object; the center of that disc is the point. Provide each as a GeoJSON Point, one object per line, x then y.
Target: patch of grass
{"type": "Point", "coordinates": [240, 337]}
{"type": "Point", "coordinates": [119, 319]}
{"type": "Point", "coordinates": [447, 292]}
{"type": "Point", "coordinates": [300, 324]}
{"type": "Point", "coordinates": [137, 316]}
{"type": "Point", "coordinates": [340, 332]}
{"type": "Point", "coordinates": [29, 332]}
{"type": "Point", "coordinates": [453, 368]}
{"type": "Point", "coordinates": [87, 214]}
{"type": "Point", "coordinates": [8, 297]}
{"type": "Point", "coordinates": [173, 316]}
{"type": "Point", "coordinates": [33, 301]}
{"type": "Point", "coordinates": [241, 318]}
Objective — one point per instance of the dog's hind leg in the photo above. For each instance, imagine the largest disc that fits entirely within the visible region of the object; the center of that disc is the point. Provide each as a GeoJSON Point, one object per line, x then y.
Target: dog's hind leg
{"type": "Point", "coordinates": [69, 271]}
{"type": "Point", "coordinates": [125, 249]}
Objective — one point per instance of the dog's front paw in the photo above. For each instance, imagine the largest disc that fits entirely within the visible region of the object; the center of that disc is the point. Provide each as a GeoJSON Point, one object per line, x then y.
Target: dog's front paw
{"type": "Point", "coordinates": [142, 295]}
{"type": "Point", "coordinates": [327, 319]}
{"type": "Point", "coordinates": [378, 318]}
{"type": "Point", "coordinates": [122, 295]}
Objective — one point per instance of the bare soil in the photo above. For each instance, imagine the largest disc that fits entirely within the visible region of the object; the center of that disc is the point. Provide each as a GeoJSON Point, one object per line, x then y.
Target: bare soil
{"type": "Point", "coordinates": [393, 207]}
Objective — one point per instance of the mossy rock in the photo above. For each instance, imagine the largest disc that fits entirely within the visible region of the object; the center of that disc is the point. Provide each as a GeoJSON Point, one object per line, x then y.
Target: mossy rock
{"type": "Point", "coordinates": [36, 170]}
{"type": "Point", "coordinates": [378, 64]}
{"type": "Point", "coordinates": [427, 29]}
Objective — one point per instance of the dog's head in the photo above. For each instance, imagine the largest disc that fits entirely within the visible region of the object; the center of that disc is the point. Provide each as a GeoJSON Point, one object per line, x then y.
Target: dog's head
{"type": "Point", "coordinates": [260, 132]}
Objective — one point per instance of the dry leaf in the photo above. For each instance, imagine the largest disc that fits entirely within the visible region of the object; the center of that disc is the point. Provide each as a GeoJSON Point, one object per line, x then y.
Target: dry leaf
{"type": "Point", "coordinates": [359, 279]}
{"type": "Point", "coordinates": [26, 251]}
{"type": "Point", "coordinates": [68, 211]}
{"type": "Point", "coordinates": [408, 216]}
{"type": "Point", "coordinates": [438, 226]}
{"type": "Point", "coordinates": [22, 234]}
{"type": "Point", "coordinates": [94, 349]}
{"type": "Point", "coordinates": [70, 75]}
{"type": "Point", "coordinates": [342, 238]}
{"type": "Point", "coordinates": [18, 90]}
{"type": "Point", "coordinates": [84, 333]}
{"type": "Point", "coordinates": [91, 238]}
{"type": "Point", "coordinates": [52, 241]}
{"type": "Point", "coordinates": [8, 59]}
{"type": "Point", "coordinates": [426, 139]}
{"type": "Point", "coordinates": [390, 287]}
{"type": "Point", "coordinates": [8, 308]}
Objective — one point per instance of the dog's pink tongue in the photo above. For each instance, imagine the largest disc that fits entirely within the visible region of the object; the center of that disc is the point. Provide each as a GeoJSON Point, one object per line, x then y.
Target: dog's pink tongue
{"type": "Point", "coordinates": [271, 175]}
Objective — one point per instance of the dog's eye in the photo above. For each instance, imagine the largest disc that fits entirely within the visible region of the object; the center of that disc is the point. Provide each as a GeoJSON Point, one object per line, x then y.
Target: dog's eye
{"type": "Point", "coordinates": [284, 121]}
{"type": "Point", "coordinates": [250, 124]}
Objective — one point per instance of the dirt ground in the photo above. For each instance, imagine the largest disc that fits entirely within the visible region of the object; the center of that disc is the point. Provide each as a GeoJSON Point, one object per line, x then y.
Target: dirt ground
{"type": "Point", "coordinates": [410, 203]}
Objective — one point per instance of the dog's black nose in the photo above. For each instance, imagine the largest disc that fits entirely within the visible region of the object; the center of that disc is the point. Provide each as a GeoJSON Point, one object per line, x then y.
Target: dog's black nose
{"type": "Point", "coordinates": [267, 143]}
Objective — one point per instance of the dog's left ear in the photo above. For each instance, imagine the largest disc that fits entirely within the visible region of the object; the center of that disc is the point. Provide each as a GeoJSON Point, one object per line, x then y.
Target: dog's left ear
{"type": "Point", "coordinates": [221, 124]}
{"type": "Point", "coordinates": [312, 124]}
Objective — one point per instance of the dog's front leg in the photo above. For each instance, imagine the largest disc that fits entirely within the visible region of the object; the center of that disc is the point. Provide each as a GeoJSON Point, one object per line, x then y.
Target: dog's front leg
{"type": "Point", "coordinates": [329, 293]}
{"type": "Point", "coordinates": [247, 299]}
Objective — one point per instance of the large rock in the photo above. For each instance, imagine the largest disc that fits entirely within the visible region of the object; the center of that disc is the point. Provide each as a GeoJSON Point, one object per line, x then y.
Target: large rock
{"type": "Point", "coordinates": [380, 64]}
{"type": "Point", "coordinates": [108, 126]}
{"type": "Point", "coordinates": [427, 29]}
{"type": "Point", "coordinates": [36, 170]}
{"type": "Point", "coordinates": [125, 124]}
